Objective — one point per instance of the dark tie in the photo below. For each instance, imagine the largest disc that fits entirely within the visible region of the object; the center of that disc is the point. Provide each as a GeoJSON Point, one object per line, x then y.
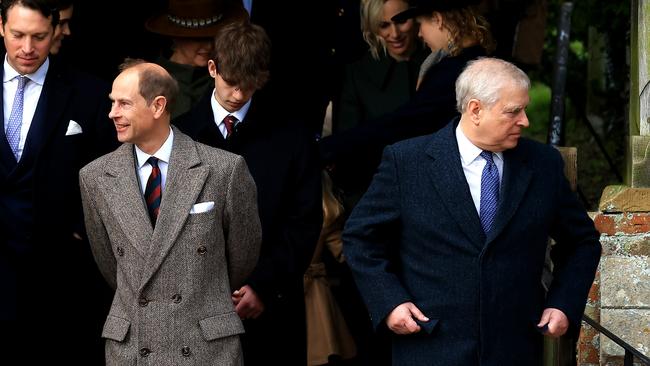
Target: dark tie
{"type": "Point", "coordinates": [489, 192]}
{"type": "Point", "coordinates": [16, 117]}
{"type": "Point", "coordinates": [153, 192]}
{"type": "Point", "coordinates": [230, 121]}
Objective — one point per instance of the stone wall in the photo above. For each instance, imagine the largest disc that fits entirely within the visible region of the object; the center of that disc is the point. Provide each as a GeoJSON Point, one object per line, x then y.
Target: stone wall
{"type": "Point", "coordinates": [620, 297]}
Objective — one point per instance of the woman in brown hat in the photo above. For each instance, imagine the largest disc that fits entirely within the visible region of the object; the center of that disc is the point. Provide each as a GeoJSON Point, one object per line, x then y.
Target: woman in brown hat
{"type": "Point", "coordinates": [192, 25]}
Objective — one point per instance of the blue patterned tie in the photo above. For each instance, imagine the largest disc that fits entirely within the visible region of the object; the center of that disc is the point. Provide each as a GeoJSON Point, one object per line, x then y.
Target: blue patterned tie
{"type": "Point", "coordinates": [153, 191]}
{"type": "Point", "coordinates": [16, 117]}
{"type": "Point", "coordinates": [489, 192]}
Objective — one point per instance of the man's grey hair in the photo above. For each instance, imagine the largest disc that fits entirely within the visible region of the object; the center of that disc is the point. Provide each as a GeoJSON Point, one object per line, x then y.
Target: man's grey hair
{"type": "Point", "coordinates": [484, 78]}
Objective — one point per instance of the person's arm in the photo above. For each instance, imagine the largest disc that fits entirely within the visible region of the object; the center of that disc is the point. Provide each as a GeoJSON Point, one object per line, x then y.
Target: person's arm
{"type": "Point", "coordinates": [431, 108]}
{"type": "Point", "coordinates": [371, 241]}
{"type": "Point", "coordinates": [576, 253]}
{"type": "Point", "coordinates": [287, 254]}
{"type": "Point", "coordinates": [242, 225]}
{"type": "Point", "coordinates": [97, 236]}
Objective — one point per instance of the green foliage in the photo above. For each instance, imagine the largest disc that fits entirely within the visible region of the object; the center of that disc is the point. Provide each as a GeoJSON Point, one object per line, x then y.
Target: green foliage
{"type": "Point", "coordinates": [538, 111]}
{"type": "Point", "coordinates": [603, 97]}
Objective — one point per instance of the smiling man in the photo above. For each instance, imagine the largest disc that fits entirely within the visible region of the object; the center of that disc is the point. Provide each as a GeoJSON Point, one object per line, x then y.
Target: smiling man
{"type": "Point", "coordinates": [174, 230]}
{"type": "Point", "coordinates": [448, 244]}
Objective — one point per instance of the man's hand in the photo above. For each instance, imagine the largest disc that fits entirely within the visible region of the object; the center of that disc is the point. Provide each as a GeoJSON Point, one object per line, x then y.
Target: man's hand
{"type": "Point", "coordinates": [400, 320]}
{"type": "Point", "coordinates": [557, 322]}
{"type": "Point", "coordinates": [247, 304]}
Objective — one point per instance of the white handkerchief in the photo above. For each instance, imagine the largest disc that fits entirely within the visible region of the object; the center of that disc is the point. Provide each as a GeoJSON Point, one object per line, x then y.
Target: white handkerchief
{"type": "Point", "coordinates": [202, 207]}
{"type": "Point", "coordinates": [73, 128]}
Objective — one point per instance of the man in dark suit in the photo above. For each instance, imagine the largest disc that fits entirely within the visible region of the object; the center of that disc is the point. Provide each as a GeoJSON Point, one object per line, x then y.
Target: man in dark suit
{"type": "Point", "coordinates": [54, 122]}
{"type": "Point", "coordinates": [282, 159]}
{"type": "Point", "coordinates": [449, 242]}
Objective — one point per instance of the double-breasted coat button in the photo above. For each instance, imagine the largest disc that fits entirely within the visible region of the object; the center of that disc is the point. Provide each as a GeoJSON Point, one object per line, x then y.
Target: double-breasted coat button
{"type": "Point", "coordinates": [120, 251]}
{"type": "Point", "coordinates": [143, 302]}
{"type": "Point", "coordinates": [185, 351]}
{"type": "Point", "coordinates": [177, 298]}
{"type": "Point", "coordinates": [202, 250]}
{"type": "Point", "coordinates": [144, 352]}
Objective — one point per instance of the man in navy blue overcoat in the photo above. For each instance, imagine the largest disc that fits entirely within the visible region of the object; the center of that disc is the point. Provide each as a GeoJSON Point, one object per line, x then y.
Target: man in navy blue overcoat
{"type": "Point", "coordinates": [455, 288]}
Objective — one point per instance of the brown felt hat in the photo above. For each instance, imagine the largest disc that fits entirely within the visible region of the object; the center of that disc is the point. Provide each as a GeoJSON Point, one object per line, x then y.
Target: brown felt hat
{"type": "Point", "coordinates": [419, 7]}
{"type": "Point", "coordinates": [196, 18]}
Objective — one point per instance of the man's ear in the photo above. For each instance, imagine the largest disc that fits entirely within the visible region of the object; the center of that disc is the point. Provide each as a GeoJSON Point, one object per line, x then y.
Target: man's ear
{"type": "Point", "coordinates": [212, 68]}
{"type": "Point", "coordinates": [158, 105]}
{"type": "Point", "coordinates": [474, 109]}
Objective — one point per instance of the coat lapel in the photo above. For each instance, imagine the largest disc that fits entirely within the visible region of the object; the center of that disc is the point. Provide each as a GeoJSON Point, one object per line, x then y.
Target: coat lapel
{"type": "Point", "coordinates": [48, 114]}
{"type": "Point", "coordinates": [185, 180]}
{"type": "Point", "coordinates": [515, 182]}
{"type": "Point", "coordinates": [120, 184]}
{"type": "Point", "coordinates": [447, 177]}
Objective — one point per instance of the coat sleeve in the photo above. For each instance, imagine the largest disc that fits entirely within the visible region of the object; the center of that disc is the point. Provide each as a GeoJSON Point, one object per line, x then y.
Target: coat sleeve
{"type": "Point", "coordinates": [97, 235]}
{"type": "Point", "coordinates": [576, 252]}
{"type": "Point", "coordinates": [242, 225]}
{"type": "Point", "coordinates": [370, 242]}
{"type": "Point", "coordinates": [289, 245]}
{"type": "Point", "coordinates": [431, 108]}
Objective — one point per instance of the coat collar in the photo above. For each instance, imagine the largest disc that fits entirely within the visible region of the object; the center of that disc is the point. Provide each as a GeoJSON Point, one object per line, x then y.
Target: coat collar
{"type": "Point", "coordinates": [449, 180]}
{"type": "Point", "coordinates": [185, 179]}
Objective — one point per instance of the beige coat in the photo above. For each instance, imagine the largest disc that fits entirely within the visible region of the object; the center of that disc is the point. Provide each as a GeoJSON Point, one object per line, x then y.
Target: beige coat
{"type": "Point", "coordinates": [173, 285]}
{"type": "Point", "coordinates": [327, 332]}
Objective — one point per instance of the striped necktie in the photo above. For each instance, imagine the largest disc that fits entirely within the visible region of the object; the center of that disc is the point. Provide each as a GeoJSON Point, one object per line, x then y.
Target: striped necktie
{"type": "Point", "coordinates": [230, 121]}
{"type": "Point", "coordinates": [153, 192]}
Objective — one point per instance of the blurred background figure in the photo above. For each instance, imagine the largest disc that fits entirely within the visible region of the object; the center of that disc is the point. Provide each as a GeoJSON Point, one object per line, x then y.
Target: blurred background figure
{"type": "Point", "coordinates": [455, 33]}
{"type": "Point", "coordinates": [62, 30]}
{"type": "Point", "coordinates": [329, 340]}
{"type": "Point", "coordinates": [381, 81]}
{"type": "Point", "coordinates": [191, 26]}
{"type": "Point", "coordinates": [385, 77]}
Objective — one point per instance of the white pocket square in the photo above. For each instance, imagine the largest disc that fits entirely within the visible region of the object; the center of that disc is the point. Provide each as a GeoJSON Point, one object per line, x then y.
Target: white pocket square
{"type": "Point", "coordinates": [202, 207]}
{"type": "Point", "coordinates": [73, 128]}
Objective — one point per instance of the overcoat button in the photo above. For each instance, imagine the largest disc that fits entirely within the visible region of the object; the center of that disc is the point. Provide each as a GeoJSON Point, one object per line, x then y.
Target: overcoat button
{"type": "Point", "coordinates": [186, 351]}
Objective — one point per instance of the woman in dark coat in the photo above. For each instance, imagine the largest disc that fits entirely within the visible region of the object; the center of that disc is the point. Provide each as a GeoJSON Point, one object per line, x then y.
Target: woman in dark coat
{"type": "Point", "coordinates": [457, 35]}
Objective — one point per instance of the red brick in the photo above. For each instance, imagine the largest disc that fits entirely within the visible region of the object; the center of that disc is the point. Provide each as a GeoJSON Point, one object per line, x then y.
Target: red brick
{"type": "Point", "coordinates": [625, 224]}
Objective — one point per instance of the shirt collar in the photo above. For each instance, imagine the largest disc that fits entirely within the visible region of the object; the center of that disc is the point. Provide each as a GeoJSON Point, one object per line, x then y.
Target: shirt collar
{"type": "Point", "coordinates": [468, 151]}
{"type": "Point", "coordinates": [163, 154]}
{"type": "Point", "coordinates": [37, 77]}
{"type": "Point", "coordinates": [220, 112]}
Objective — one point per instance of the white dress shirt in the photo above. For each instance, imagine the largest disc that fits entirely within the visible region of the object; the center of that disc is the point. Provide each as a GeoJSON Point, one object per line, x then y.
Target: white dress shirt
{"type": "Point", "coordinates": [163, 154]}
{"type": "Point", "coordinates": [32, 93]}
{"type": "Point", "coordinates": [473, 164]}
{"type": "Point", "coordinates": [220, 113]}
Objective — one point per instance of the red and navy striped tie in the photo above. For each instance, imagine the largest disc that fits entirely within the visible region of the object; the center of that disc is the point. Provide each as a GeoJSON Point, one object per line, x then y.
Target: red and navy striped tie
{"type": "Point", "coordinates": [153, 192]}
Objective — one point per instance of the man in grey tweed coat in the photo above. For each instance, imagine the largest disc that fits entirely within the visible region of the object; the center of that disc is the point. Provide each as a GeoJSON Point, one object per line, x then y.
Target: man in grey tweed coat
{"type": "Point", "coordinates": [173, 264]}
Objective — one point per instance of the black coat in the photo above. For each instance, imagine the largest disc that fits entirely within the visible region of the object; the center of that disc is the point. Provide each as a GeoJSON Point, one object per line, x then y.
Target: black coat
{"type": "Point", "coordinates": [432, 106]}
{"type": "Point", "coordinates": [47, 277]}
{"type": "Point", "coordinates": [282, 159]}
{"type": "Point", "coordinates": [416, 236]}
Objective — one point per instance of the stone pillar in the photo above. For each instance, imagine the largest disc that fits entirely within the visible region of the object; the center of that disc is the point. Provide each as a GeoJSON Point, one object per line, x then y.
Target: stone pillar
{"type": "Point", "coordinates": [620, 297]}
